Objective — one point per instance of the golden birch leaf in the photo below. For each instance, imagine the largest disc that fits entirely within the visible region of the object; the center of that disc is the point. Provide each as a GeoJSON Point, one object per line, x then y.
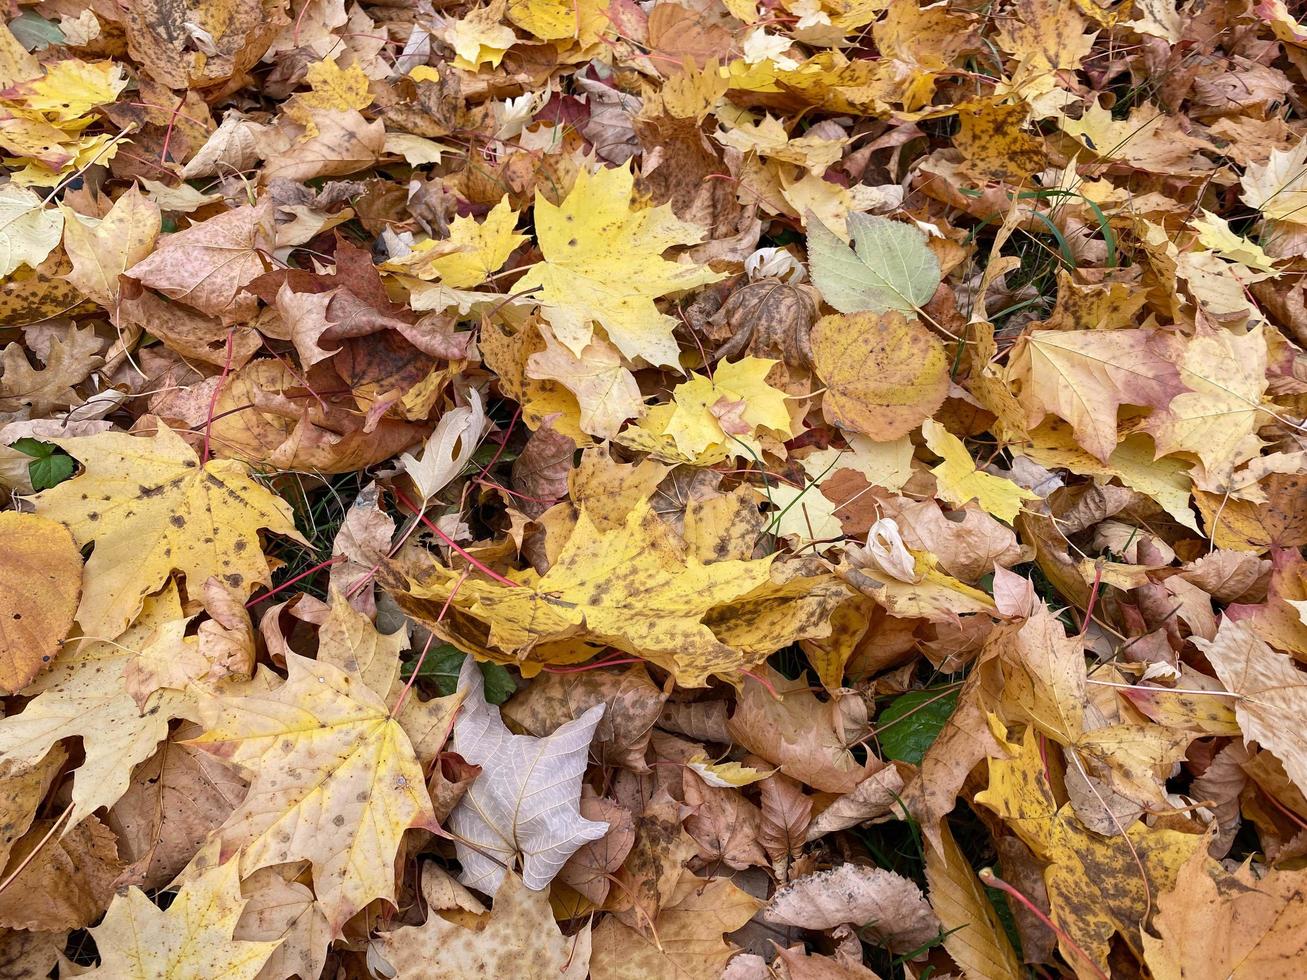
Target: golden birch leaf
{"type": "Point", "coordinates": [40, 581]}
{"type": "Point", "coordinates": [884, 373]}
{"type": "Point", "coordinates": [604, 264]}
{"type": "Point", "coordinates": [139, 941]}
{"type": "Point", "coordinates": [152, 509]}
{"type": "Point", "coordinates": [334, 781]}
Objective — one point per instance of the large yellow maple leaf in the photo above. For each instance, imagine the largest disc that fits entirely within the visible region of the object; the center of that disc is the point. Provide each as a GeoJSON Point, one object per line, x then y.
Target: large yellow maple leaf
{"type": "Point", "coordinates": [604, 264]}
{"type": "Point", "coordinates": [335, 781]}
{"type": "Point", "coordinates": [1095, 885]}
{"type": "Point", "coordinates": [637, 588]}
{"type": "Point", "coordinates": [152, 509]}
{"type": "Point", "coordinates": [139, 941]}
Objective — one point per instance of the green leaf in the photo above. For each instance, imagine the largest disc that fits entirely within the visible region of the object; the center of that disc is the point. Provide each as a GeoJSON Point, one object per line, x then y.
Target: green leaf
{"type": "Point", "coordinates": [442, 664]}
{"type": "Point", "coordinates": [890, 266]}
{"type": "Point", "coordinates": [50, 471]}
{"type": "Point", "coordinates": [912, 722]}
{"type": "Point", "coordinates": [34, 447]}
{"type": "Point", "coordinates": [50, 465]}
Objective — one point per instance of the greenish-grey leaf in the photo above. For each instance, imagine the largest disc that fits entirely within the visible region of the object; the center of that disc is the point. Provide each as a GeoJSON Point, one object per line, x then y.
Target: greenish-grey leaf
{"type": "Point", "coordinates": [912, 722]}
{"type": "Point", "coordinates": [890, 266]}
{"type": "Point", "coordinates": [34, 32]}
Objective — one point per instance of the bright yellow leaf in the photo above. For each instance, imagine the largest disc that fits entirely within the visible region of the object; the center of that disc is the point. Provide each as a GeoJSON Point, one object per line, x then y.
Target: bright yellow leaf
{"type": "Point", "coordinates": [603, 264]}
{"type": "Point", "coordinates": [959, 480]}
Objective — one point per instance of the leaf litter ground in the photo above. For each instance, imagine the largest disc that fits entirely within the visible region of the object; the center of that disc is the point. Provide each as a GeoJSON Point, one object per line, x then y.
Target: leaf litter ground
{"type": "Point", "coordinates": [802, 488]}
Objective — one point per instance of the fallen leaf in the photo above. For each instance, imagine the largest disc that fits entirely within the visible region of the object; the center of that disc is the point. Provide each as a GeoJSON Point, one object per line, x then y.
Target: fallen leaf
{"type": "Point", "coordinates": [333, 780]}
{"type": "Point", "coordinates": [888, 908]}
{"type": "Point", "coordinates": [518, 938]}
{"type": "Point", "coordinates": [40, 581]}
{"type": "Point", "coordinates": [524, 804]}
{"type": "Point", "coordinates": [138, 941]}
{"type": "Point", "coordinates": [200, 519]}
{"type": "Point", "coordinates": [592, 242]}
{"type": "Point", "coordinates": [890, 266]}
{"type": "Point", "coordinates": [884, 374]}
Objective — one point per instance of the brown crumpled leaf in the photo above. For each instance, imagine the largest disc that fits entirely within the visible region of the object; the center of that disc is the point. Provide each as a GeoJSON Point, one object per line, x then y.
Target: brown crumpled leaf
{"type": "Point", "coordinates": [726, 826]}
{"type": "Point", "coordinates": [175, 799]}
{"type": "Point", "coordinates": [68, 882]}
{"type": "Point", "coordinates": [888, 908]}
{"type": "Point", "coordinates": [543, 469]}
{"type": "Point", "coordinates": [70, 360]}
{"type": "Point", "coordinates": [208, 265]}
{"type": "Point", "coordinates": [588, 871]}
{"type": "Point", "coordinates": [265, 413]}
{"type": "Point", "coordinates": [809, 739]}
{"type": "Point", "coordinates": [632, 703]}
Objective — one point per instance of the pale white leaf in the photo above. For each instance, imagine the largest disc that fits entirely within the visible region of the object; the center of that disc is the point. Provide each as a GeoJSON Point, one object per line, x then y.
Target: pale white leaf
{"type": "Point", "coordinates": [525, 804]}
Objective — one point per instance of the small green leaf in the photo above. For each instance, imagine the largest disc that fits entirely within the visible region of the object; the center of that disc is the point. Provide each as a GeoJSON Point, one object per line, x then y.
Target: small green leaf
{"type": "Point", "coordinates": [442, 664]}
{"type": "Point", "coordinates": [912, 722]}
{"type": "Point", "coordinates": [50, 471]}
{"type": "Point", "coordinates": [34, 447]}
{"type": "Point", "coordinates": [890, 266]}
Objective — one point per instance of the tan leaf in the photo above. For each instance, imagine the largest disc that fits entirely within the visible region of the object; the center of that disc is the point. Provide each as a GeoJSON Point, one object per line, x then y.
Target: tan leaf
{"type": "Point", "coordinates": [40, 582]}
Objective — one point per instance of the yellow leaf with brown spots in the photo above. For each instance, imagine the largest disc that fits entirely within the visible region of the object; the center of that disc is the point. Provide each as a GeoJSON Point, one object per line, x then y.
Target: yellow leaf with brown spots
{"type": "Point", "coordinates": [635, 588]}
{"type": "Point", "coordinates": [1098, 887]}
{"type": "Point", "coordinates": [992, 143]}
{"type": "Point", "coordinates": [335, 781]}
{"type": "Point", "coordinates": [884, 374]}
{"type": "Point", "coordinates": [151, 508]}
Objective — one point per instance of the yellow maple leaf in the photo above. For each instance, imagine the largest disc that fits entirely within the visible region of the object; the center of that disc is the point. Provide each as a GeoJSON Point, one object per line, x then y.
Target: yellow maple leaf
{"type": "Point", "coordinates": [101, 249]}
{"type": "Point", "coordinates": [584, 21]}
{"type": "Point", "coordinates": [139, 941]}
{"type": "Point", "coordinates": [151, 509]}
{"type": "Point", "coordinates": [70, 89]}
{"type": "Point", "coordinates": [1095, 887]}
{"type": "Point", "coordinates": [39, 583]}
{"type": "Point", "coordinates": [604, 264]}
{"type": "Point", "coordinates": [335, 781]}
{"type": "Point", "coordinates": [332, 89]}
{"type": "Point", "coordinates": [735, 401]}
{"type": "Point", "coordinates": [1218, 419]}
{"type": "Point", "coordinates": [959, 480]}
{"type": "Point", "coordinates": [635, 588]}
{"type": "Point", "coordinates": [467, 258]}
{"type": "Point", "coordinates": [478, 38]}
